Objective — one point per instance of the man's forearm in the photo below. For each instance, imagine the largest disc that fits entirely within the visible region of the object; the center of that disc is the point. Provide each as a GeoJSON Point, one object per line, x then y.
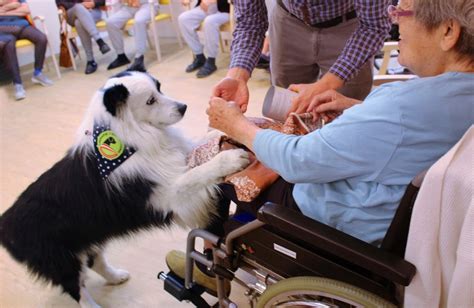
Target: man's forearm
{"type": "Point", "coordinates": [239, 73]}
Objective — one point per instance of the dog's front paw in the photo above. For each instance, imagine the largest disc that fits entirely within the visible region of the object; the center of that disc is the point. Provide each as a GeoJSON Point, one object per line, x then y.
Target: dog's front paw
{"type": "Point", "coordinates": [231, 161]}
{"type": "Point", "coordinates": [118, 276]}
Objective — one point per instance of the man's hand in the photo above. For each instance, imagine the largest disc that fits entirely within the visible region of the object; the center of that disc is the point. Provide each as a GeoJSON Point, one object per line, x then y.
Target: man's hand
{"type": "Point", "coordinates": [234, 88]}
{"type": "Point", "coordinates": [307, 92]}
{"type": "Point", "coordinates": [90, 4]}
{"type": "Point", "coordinates": [329, 105]}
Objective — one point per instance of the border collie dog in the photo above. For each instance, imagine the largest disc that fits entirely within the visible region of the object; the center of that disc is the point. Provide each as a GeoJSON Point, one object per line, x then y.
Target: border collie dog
{"type": "Point", "coordinates": [126, 172]}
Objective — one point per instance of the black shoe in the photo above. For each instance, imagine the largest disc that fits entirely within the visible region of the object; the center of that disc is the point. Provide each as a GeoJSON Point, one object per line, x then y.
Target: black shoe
{"type": "Point", "coordinates": [207, 69]}
{"type": "Point", "coordinates": [137, 65]}
{"type": "Point", "coordinates": [198, 61]}
{"type": "Point", "coordinates": [91, 67]}
{"type": "Point", "coordinates": [263, 62]}
{"type": "Point", "coordinates": [104, 48]}
{"type": "Point", "coordinates": [120, 61]}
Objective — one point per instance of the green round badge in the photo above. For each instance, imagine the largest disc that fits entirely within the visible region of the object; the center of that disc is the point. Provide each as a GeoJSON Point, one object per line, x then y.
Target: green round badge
{"type": "Point", "coordinates": [109, 145]}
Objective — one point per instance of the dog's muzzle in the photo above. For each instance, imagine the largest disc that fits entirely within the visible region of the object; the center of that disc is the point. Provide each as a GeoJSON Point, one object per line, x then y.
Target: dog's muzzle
{"type": "Point", "coordinates": [182, 108]}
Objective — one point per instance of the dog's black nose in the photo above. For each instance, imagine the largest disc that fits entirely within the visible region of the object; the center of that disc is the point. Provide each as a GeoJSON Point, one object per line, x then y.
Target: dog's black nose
{"type": "Point", "coordinates": [182, 108]}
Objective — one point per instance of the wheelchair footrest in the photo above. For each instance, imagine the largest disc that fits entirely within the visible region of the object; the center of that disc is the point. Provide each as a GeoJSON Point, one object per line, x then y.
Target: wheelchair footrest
{"type": "Point", "coordinates": [174, 285]}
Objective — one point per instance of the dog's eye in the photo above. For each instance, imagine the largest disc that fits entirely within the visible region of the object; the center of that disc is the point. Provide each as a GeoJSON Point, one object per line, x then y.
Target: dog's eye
{"type": "Point", "coordinates": [151, 101]}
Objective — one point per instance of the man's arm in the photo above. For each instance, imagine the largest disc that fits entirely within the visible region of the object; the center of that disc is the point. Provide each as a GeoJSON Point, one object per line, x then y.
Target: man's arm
{"type": "Point", "coordinates": [249, 33]}
{"type": "Point", "coordinates": [367, 40]}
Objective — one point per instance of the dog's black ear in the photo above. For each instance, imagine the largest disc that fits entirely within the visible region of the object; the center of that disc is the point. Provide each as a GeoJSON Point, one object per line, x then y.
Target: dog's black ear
{"type": "Point", "coordinates": [158, 85]}
{"type": "Point", "coordinates": [137, 68]}
{"type": "Point", "coordinates": [114, 97]}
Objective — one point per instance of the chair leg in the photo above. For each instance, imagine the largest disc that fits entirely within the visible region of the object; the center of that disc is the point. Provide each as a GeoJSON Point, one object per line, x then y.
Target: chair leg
{"type": "Point", "coordinates": [156, 42]}
{"type": "Point", "coordinates": [71, 54]}
{"type": "Point", "coordinates": [178, 33]}
{"type": "Point", "coordinates": [55, 62]}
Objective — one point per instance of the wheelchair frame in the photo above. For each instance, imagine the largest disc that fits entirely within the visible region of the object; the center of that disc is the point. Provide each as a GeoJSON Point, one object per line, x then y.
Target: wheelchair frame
{"type": "Point", "coordinates": [282, 243]}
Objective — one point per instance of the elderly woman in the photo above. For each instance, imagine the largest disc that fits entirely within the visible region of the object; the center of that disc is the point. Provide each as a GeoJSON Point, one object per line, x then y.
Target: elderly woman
{"type": "Point", "coordinates": [352, 173]}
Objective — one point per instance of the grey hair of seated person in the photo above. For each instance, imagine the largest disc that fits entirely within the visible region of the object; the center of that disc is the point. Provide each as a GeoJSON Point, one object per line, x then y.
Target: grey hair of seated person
{"type": "Point", "coordinates": [433, 12]}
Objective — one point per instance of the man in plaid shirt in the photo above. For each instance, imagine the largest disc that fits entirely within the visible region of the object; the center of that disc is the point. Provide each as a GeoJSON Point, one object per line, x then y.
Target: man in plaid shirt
{"type": "Point", "coordinates": [315, 46]}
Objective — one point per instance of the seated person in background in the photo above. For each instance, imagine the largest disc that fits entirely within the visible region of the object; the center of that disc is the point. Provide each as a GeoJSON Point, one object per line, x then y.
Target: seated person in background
{"type": "Point", "coordinates": [140, 11]}
{"type": "Point", "coordinates": [264, 60]}
{"type": "Point", "coordinates": [352, 173]}
{"type": "Point", "coordinates": [214, 13]}
{"type": "Point", "coordinates": [14, 25]}
{"type": "Point", "coordinates": [84, 14]}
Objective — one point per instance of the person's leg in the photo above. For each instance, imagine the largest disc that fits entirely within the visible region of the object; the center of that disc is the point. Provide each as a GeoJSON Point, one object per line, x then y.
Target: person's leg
{"type": "Point", "coordinates": [41, 42]}
{"type": "Point", "coordinates": [84, 20]}
{"type": "Point", "coordinates": [188, 22]}
{"type": "Point", "coordinates": [212, 24]}
{"type": "Point", "coordinates": [115, 24]}
{"type": "Point", "coordinates": [10, 60]}
{"type": "Point", "coordinates": [142, 18]}
{"type": "Point", "coordinates": [293, 58]}
{"type": "Point", "coordinates": [331, 44]}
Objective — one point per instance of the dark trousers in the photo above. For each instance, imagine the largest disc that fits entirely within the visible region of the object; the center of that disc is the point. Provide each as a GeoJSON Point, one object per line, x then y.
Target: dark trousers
{"type": "Point", "coordinates": [280, 192]}
{"type": "Point", "coordinates": [30, 33]}
{"type": "Point", "coordinates": [8, 56]}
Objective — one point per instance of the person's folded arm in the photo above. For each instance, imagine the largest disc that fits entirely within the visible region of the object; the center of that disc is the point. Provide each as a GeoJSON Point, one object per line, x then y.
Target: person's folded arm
{"type": "Point", "coordinates": [22, 10]}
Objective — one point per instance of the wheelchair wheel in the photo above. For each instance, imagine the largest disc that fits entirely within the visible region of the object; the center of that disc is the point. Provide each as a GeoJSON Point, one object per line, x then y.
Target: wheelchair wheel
{"type": "Point", "coordinates": [317, 292]}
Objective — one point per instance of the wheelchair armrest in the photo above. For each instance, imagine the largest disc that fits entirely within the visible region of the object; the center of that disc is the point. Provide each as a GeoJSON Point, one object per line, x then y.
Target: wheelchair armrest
{"type": "Point", "coordinates": [337, 243]}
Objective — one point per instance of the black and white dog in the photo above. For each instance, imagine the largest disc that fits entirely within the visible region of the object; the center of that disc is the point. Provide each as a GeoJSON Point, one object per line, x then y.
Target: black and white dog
{"type": "Point", "coordinates": [126, 172]}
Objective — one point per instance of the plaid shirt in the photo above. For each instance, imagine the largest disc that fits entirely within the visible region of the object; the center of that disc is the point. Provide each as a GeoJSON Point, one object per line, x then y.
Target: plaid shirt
{"type": "Point", "coordinates": [252, 23]}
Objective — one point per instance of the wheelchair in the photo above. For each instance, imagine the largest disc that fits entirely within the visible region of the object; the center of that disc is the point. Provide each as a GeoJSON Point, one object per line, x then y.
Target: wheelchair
{"type": "Point", "coordinates": [285, 259]}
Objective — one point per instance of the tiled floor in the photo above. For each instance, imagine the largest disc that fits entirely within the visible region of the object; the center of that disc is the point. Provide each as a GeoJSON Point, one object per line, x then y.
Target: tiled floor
{"type": "Point", "coordinates": [37, 131]}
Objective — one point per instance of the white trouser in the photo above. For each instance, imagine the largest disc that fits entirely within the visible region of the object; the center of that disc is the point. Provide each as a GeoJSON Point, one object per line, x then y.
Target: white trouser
{"type": "Point", "coordinates": [190, 20]}
{"type": "Point", "coordinates": [117, 21]}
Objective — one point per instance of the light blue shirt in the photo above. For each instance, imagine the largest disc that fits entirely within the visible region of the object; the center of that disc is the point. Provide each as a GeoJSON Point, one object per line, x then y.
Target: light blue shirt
{"type": "Point", "coordinates": [352, 173]}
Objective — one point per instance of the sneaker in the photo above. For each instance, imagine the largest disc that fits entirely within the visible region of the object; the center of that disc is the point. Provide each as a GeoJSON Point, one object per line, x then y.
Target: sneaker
{"type": "Point", "coordinates": [176, 261]}
{"type": "Point", "coordinates": [91, 67]}
{"type": "Point", "coordinates": [42, 80]}
{"type": "Point", "coordinates": [198, 62]}
{"type": "Point", "coordinates": [207, 69]}
{"type": "Point", "coordinates": [120, 61]}
{"type": "Point", "coordinates": [20, 92]}
{"type": "Point", "coordinates": [137, 65]}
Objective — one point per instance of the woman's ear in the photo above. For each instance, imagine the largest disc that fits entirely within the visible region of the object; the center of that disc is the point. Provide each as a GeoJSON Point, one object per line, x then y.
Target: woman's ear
{"type": "Point", "coordinates": [451, 31]}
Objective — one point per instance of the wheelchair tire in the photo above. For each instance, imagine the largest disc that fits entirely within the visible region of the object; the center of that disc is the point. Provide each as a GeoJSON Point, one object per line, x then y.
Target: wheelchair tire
{"type": "Point", "coordinates": [318, 292]}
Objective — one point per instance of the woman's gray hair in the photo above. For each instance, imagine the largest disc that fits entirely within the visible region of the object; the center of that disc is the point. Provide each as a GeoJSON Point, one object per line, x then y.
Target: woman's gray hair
{"type": "Point", "coordinates": [433, 12]}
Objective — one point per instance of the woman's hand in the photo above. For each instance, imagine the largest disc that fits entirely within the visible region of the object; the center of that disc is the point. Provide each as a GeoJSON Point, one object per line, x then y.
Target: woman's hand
{"type": "Point", "coordinates": [228, 118]}
{"type": "Point", "coordinates": [204, 5]}
{"type": "Point", "coordinates": [329, 105]}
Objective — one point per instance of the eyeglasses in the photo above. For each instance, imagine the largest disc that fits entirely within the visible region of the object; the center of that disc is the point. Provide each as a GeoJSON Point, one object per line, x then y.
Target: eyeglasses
{"type": "Point", "coordinates": [395, 12]}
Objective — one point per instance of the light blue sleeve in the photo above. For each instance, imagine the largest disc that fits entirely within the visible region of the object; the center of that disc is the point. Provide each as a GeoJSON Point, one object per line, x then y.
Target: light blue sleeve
{"type": "Point", "coordinates": [357, 144]}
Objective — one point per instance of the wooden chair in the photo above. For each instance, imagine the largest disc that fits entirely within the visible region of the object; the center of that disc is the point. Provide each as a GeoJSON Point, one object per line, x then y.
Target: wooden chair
{"type": "Point", "coordinates": [167, 15]}
{"type": "Point", "coordinates": [382, 76]}
{"type": "Point", "coordinates": [24, 43]}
